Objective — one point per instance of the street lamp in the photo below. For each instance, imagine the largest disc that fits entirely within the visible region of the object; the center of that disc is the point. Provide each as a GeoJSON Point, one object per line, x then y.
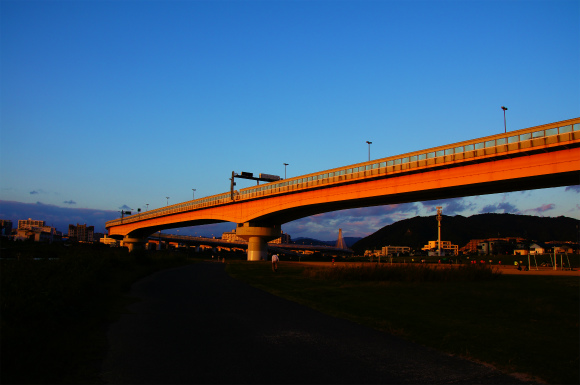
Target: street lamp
{"type": "Point", "coordinates": [369, 143]}
{"type": "Point", "coordinates": [147, 204]}
{"type": "Point", "coordinates": [504, 124]}
{"type": "Point", "coordinates": [167, 201]}
{"type": "Point", "coordinates": [193, 190]}
{"type": "Point", "coordinates": [285, 164]}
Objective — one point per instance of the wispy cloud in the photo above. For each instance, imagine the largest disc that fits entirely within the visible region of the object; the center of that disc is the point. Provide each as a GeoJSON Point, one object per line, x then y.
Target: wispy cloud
{"type": "Point", "coordinates": [575, 188]}
{"type": "Point", "coordinates": [540, 210]}
{"type": "Point", "coordinates": [452, 206]}
{"type": "Point", "coordinates": [358, 222]}
{"type": "Point", "coordinates": [501, 207]}
{"type": "Point", "coordinates": [71, 202]}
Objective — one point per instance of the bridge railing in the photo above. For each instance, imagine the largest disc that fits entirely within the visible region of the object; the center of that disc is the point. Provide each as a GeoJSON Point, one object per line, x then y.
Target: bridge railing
{"type": "Point", "coordinates": [517, 141]}
{"type": "Point", "coordinates": [490, 146]}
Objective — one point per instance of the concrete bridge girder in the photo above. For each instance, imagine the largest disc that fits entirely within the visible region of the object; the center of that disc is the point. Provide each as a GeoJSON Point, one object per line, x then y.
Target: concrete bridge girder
{"type": "Point", "coordinates": [134, 243]}
{"type": "Point", "coordinates": [258, 237]}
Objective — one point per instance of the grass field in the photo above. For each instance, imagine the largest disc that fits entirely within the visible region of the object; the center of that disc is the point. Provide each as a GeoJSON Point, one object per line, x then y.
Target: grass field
{"type": "Point", "coordinates": [519, 324]}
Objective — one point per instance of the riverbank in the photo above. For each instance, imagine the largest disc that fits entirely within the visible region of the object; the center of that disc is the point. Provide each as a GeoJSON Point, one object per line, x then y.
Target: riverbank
{"type": "Point", "coordinates": [511, 270]}
{"type": "Point", "coordinates": [507, 321]}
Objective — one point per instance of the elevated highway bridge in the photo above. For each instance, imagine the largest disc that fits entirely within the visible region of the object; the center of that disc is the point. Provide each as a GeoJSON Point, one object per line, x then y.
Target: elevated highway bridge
{"type": "Point", "coordinates": [532, 158]}
{"type": "Point", "coordinates": [286, 248]}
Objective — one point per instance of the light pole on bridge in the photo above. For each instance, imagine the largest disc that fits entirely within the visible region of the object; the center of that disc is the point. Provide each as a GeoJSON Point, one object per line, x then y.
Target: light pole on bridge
{"type": "Point", "coordinates": [193, 190]}
{"type": "Point", "coordinates": [167, 201]}
{"type": "Point", "coordinates": [285, 164]}
{"type": "Point", "coordinates": [504, 123]}
{"type": "Point", "coordinates": [369, 143]}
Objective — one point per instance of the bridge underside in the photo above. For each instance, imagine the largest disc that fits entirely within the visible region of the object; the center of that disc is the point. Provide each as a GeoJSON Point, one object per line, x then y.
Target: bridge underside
{"type": "Point", "coordinates": [502, 186]}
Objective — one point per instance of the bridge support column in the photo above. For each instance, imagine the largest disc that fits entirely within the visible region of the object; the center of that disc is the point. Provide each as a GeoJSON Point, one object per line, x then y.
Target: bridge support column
{"type": "Point", "coordinates": [134, 243]}
{"type": "Point", "coordinates": [258, 237]}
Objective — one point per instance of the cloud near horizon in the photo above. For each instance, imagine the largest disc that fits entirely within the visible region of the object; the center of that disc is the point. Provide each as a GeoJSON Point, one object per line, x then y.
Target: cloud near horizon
{"type": "Point", "coordinates": [55, 216]}
{"type": "Point", "coordinates": [502, 207]}
{"type": "Point", "coordinates": [358, 222]}
{"type": "Point", "coordinates": [541, 209]}
{"type": "Point", "coordinates": [452, 206]}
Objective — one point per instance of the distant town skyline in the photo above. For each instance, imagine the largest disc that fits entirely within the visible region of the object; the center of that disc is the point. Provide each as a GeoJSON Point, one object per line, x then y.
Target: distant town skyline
{"type": "Point", "coordinates": [110, 106]}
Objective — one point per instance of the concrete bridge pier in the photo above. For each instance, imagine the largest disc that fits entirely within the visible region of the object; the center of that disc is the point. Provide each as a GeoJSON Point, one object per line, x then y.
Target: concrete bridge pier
{"type": "Point", "coordinates": [134, 243]}
{"type": "Point", "coordinates": [258, 237]}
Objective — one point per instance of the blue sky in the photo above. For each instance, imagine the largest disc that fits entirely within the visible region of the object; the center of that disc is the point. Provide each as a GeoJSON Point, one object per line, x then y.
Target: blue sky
{"type": "Point", "coordinates": [110, 104]}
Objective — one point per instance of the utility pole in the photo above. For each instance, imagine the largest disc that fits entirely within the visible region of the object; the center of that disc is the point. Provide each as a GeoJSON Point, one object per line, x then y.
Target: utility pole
{"type": "Point", "coordinates": [439, 208]}
{"type": "Point", "coordinates": [369, 143]}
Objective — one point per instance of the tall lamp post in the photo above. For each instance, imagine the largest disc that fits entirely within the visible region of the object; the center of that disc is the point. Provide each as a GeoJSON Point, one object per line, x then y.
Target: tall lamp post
{"type": "Point", "coordinates": [504, 124]}
{"type": "Point", "coordinates": [167, 201]}
{"type": "Point", "coordinates": [193, 193]}
{"type": "Point", "coordinates": [369, 143]}
{"type": "Point", "coordinates": [147, 204]}
{"type": "Point", "coordinates": [285, 164]}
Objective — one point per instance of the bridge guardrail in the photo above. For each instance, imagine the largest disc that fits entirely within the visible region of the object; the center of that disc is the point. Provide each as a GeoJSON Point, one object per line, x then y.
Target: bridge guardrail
{"type": "Point", "coordinates": [554, 134]}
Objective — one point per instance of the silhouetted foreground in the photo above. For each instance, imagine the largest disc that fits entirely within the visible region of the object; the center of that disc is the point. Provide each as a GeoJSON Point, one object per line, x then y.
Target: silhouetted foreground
{"type": "Point", "coordinates": [195, 324]}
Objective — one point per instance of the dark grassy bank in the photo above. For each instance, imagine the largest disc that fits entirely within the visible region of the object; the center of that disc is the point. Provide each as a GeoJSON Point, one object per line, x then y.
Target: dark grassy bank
{"type": "Point", "coordinates": [56, 302]}
{"type": "Point", "coordinates": [520, 324]}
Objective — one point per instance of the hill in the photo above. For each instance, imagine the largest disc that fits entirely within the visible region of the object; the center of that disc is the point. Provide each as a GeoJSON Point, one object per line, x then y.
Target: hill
{"type": "Point", "coordinates": [418, 231]}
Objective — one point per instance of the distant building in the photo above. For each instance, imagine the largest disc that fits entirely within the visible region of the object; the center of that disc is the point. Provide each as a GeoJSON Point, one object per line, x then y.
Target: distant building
{"type": "Point", "coordinates": [386, 250]}
{"type": "Point", "coordinates": [5, 227]}
{"type": "Point", "coordinates": [82, 233]}
{"type": "Point", "coordinates": [28, 223]}
{"type": "Point", "coordinates": [109, 241]}
{"type": "Point", "coordinates": [446, 247]}
{"type": "Point", "coordinates": [284, 238]}
{"type": "Point", "coordinates": [28, 232]}
{"type": "Point", "coordinates": [502, 245]}
{"type": "Point", "coordinates": [485, 247]}
{"type": "Point", "coordinates": [230, 236]}
{"type": "Point", "coordinates": [562, 247]}
{"type": "Point", "coordinates": [373, 253]}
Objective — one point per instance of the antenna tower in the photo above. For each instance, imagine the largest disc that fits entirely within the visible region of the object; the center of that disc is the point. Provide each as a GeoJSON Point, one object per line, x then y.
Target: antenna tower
{"type": "Point", "coordinates": [439, 209]}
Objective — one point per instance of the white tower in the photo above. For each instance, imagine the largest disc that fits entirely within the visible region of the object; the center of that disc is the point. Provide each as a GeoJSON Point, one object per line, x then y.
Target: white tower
{"type": "Point", "coordinates": [340, 243]}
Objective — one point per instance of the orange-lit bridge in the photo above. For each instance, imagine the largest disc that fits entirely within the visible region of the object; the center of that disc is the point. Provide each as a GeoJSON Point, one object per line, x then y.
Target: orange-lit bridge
{"type": "Point", "coordinates": [532, 158]}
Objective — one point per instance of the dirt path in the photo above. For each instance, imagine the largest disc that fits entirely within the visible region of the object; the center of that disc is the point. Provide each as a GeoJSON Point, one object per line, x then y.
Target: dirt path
{"type": "Point", "coordinates": [195, 324]}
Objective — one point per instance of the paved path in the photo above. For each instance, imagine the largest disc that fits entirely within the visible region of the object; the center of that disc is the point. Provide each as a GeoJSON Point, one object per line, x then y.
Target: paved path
{"type": "Point", "coordinates": [195, 324]}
